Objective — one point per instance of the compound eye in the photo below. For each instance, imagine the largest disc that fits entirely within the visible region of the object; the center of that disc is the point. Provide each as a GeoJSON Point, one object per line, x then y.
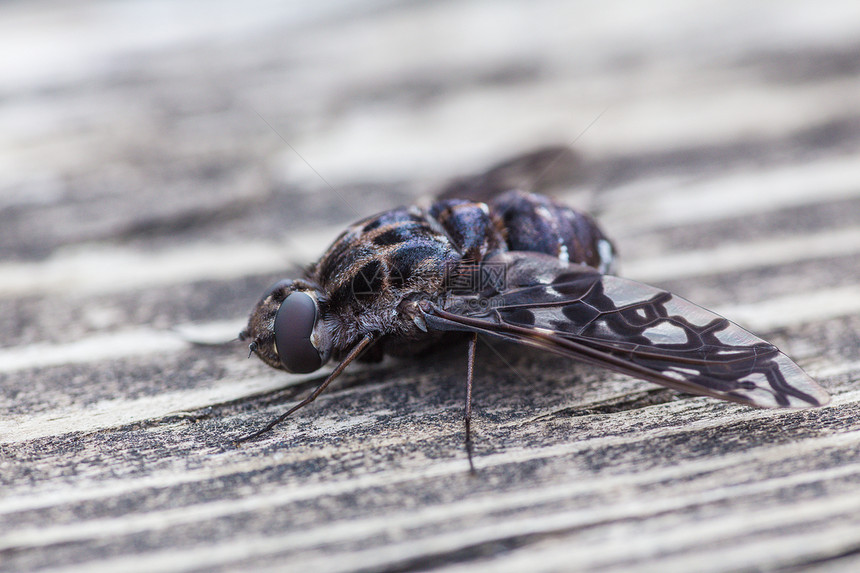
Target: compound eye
{"type": "Point", "coordinates": [294, 325]}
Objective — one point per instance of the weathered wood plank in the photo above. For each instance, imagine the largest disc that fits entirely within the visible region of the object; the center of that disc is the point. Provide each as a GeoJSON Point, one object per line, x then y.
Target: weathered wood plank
{"type": "Point", "coordinates": [146, 201]}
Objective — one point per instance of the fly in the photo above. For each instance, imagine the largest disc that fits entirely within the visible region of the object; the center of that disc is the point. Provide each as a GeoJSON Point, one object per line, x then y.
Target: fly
{"type": "Point", "coordinates": [488, 259]}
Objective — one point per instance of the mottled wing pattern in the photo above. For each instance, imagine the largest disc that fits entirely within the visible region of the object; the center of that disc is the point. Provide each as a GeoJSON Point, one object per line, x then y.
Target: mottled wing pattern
{"type": "Point", "coordinates": [629, 327]}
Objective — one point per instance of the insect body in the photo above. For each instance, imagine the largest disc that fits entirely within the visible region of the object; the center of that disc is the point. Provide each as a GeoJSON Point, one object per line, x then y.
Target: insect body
{"type": "Point", "coordinates": [521, 267]}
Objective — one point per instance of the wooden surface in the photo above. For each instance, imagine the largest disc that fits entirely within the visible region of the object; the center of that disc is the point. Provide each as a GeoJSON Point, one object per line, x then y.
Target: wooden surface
{"type": "Point", "coordinates": [145, 204]}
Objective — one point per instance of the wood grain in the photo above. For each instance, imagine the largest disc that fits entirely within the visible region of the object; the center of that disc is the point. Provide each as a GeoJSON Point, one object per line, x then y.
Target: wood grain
{"type": "Point", "coordinates": [159, 167]}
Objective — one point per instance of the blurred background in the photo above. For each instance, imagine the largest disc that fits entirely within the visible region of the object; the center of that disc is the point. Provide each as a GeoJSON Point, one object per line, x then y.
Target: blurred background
{"type": "Point", "coordinates": [125, 118]}
{"type": "Point", "coordinates": [162, 162]}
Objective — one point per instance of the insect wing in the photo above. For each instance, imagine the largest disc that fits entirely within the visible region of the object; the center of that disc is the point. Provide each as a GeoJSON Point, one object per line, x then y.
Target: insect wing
{"type": "Point", "coordinates": [536, 171]}
{"type": "Point", "coordinates": [629, 327]}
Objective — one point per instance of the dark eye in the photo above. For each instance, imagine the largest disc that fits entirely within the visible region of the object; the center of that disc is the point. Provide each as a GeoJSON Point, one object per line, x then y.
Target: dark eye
{"type": "Point", "coordinates": [294, 324]}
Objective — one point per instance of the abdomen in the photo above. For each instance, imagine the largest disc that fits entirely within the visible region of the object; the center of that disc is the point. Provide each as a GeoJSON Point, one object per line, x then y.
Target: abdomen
{"type": "Point", "coordinates": [539, 224]}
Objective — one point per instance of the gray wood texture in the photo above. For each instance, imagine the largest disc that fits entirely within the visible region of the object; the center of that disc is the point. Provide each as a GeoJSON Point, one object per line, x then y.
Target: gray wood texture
{"type": "Point", "coordinates": [153, 182]}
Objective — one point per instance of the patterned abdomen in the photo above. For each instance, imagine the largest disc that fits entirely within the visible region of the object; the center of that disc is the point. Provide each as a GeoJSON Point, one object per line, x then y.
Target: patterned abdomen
{"type": "Point", "coordinates": [469, 226]}
{"type": "Point", "coordinates": [538, 224]}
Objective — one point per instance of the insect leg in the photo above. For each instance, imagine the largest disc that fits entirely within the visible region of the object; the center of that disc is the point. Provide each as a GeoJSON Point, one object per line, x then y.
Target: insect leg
{"type": "Point", "coordinates": [470, 370]}
{"type": "Point", "coordinates": [353, 354]}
